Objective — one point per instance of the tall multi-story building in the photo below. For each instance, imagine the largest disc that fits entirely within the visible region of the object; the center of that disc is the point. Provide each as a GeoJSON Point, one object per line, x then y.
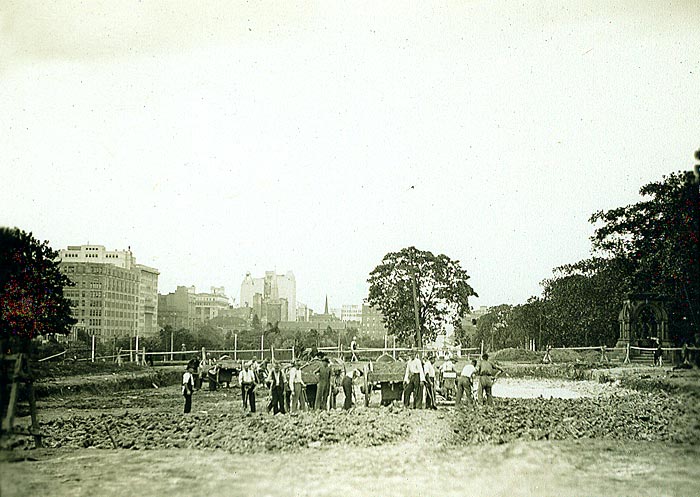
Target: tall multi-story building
{"type": "Point", "coordinates": [271, 297]}
{"type": "Point", "coordinates": [148, 301]}
{"type": "Point", "coordinates": [113, 296]}
{"type": "Point", "coordinates": [372, 321]}
{"type": "Point", "coordinates": [209, 305]}
{"type": "Point", "coordinates": [351, 312]}
{"type": "Point", "coordinates": [303, 312]}
{"type": "Point", "coordinates": [177, 309]}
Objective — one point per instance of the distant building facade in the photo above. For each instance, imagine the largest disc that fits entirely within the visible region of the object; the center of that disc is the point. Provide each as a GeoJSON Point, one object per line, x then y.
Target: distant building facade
{"type": "Point", "coordinates": [372, 321]}
{"type": "Point", "coordinates": [177, 309]}
{"type": "Point", "coordinates": [113, 296]}
{"type": "Point", "coordinates": [273, 298]}
{"type": "Point", "coordinates": [350, 312]}
{"type": "Point", "coordinates": [210, 305]}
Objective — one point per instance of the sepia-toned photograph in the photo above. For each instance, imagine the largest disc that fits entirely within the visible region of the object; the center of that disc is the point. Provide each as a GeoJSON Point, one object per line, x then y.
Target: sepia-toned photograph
{"type": "Point", "coordinates": [309, 249]}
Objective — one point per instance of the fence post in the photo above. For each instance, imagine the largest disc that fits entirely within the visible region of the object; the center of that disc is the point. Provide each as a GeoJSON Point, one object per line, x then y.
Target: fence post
{"type": "Point", "coordinates": [627, 355]}
{"type": "Point", "coordinates": [235, 347]}
{"type": "Point", "coordinates": [293, 356]}
{"type": "Point", "coordinates": [92, 354]}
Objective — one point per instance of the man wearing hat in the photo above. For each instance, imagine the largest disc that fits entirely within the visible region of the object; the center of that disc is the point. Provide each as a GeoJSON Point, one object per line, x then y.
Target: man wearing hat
{"type": "Point", "coordinates": [324, 384]}
{"type": "Point", "coordinates": [297, 386]}
{"type": "Point", "coordinates": [246, 378]}
{"type": "Point", "coordinates": [277, 382]}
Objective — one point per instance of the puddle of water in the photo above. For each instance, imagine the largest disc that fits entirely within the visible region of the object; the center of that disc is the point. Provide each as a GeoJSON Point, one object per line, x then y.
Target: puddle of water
{"type": "Point", "coordinates": [534, 388]}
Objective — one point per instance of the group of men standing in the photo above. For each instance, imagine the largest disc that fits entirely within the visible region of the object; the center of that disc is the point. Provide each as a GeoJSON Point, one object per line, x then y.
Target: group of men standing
{"type": "Point", "coordinates": [421, 376]}
{"type": "Point", "coordinates": [287, 388]}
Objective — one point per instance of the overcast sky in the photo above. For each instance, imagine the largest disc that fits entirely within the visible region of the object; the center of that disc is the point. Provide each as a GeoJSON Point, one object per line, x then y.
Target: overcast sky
{"type": "Point", "coordinates": [224, 137]}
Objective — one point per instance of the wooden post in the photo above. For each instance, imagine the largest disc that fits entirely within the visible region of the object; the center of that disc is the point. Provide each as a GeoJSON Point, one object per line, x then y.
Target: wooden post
{"type": "Point", "coordinates": [92, 352]}
{"type": "Point", "coordinates": [33, 413]}
{"type": "Point", "coordinates": [414, 284]}
{"type": "Point", "coordinates": [262, 346]}
{"type": "Point", "coordinates": [482, 347]}
{"type": "Point", "coordinates": [136, 348]}
{"type": "Point", "coordinates": [235, 346]}
{"type": "Point", "coordinates": [172, 350]}
{"type": "Point", "coordinates": [143, 349]}
{"type": "Point", "coordinates": [393, 353]}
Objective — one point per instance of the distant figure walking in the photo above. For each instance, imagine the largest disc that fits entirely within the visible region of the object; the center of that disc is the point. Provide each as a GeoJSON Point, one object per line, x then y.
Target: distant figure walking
{"type": "Point", "coordinates": [658, 355]}
{"type": "Point", "coordinates": [353, 349]}
{"type": "Point", "coordinates": [188, 389]}
{"type": "Point", "coordinates": [547, 359]}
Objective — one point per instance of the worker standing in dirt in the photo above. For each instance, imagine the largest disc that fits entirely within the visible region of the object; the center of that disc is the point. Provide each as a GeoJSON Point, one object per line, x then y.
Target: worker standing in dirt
{"type": "Point", "coordinates": [187, 388]}
{"type": "Point", "coordinates": [324, 384]}
{"type": "Point", "coordinates": [348, 389]}
{"type": "Point", "coordinates": [464, 385]}
{"type": "Point", "coordinates": [413, 381]}
{"type": "Point", "coordinates": [429, 371]}
{"type": "Point", "coordinates": [297, 385]}
{"type": "Point", "coordinates": [277, 382]}
{"type": "Point", "coordinates": [193, 365]}
{"type": "Point", "coordinates": [246, 378]}
{"type": "Point", "coordinates": [487, 372]}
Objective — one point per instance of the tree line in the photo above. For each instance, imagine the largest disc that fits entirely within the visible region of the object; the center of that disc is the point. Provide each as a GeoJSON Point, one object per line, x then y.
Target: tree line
{"type": "Point", "coordinates": [647, 247]}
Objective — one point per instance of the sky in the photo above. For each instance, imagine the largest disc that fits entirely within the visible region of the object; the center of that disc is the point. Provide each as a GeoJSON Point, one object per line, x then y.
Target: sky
{"type": "Point", "coordinates": [219, 138]}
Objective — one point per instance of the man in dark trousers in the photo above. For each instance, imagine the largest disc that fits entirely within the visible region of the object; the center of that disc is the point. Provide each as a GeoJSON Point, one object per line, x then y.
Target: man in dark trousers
{"type": "Point", "coordinates": [347, 389]}
{"type": "Point", "coordinates": [187, 389]}
{"type": "Point", "coordinates": [487, 372]}
{"type": "Point", "coordinates": [246, 378]}
{"type": "Point", "coordinates": [324, 384]}
{"type": "Point", "coordinates": [277, 388]}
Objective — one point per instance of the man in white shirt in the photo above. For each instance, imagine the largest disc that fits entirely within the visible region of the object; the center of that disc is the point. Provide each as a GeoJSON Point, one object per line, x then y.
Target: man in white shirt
{"type": "Point", "coordinates": [297, 385]}
{"type": "Point", "coordinates": [464, 385]}
{"type": "Point", "coordinates": [187, 388]}
{"type": "Point", "coordinates": [449, 376]}
{"type": "Point", "coordinates": [246, 378]}
{"type": "Point", "coordinates": [413, 381]}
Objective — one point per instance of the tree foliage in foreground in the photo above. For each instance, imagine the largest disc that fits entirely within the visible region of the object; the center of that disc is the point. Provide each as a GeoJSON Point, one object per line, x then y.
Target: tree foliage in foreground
{"type": "Point", "coordinates": [31, 288]}
{"type": "Point", "coordinates": [657, 239]}
{"type": "Point", "coordinates": [442, 288]}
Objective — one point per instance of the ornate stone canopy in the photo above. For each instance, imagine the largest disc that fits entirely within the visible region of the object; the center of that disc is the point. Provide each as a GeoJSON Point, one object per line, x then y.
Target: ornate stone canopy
{"type": "Point", "coordinates": [643, 319]}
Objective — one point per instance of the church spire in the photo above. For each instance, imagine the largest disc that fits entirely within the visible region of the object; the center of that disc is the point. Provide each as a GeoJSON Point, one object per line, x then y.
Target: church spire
{"type": "Point", "coordinates": [325, 311]}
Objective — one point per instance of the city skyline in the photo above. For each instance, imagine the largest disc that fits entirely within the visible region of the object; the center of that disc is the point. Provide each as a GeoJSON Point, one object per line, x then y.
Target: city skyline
{"type": "Point", "coordinates": [221, 139]}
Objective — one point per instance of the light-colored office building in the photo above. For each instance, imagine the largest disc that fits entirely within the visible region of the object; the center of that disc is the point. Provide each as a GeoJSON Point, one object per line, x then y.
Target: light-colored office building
{"type": "Point", "coordinates": [274, 294]}
{"type": "Point", "coordinates": [209, 305]}
{"type": "Point", "coordinates": [113, 296]}
{"type": "Point", "coordinates": [351, 312]}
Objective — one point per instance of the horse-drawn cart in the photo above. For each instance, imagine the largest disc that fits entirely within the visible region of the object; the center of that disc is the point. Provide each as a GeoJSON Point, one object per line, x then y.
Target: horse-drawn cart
{"type": "Point", "coordinates": [385, 374]}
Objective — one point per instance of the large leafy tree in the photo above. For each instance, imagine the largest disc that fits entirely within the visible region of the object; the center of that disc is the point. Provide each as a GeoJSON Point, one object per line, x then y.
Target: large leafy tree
{"type": "Point", "coordinates": [31, 289]}
{"type": "Point", "coordinates": [441, 286]}
{"type": "Point", "coordinates": [582, 301]}
{"type": "Point", "coordinates": [657, 239]}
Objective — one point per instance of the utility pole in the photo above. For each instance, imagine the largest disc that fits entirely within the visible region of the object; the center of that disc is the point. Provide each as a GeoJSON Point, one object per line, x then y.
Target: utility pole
{"type": "Point", "coordinates": [414, 284]}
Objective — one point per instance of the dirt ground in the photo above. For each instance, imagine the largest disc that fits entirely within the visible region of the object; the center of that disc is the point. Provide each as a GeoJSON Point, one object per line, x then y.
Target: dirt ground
{"type": "Point", "coordinates": [423, 460]}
